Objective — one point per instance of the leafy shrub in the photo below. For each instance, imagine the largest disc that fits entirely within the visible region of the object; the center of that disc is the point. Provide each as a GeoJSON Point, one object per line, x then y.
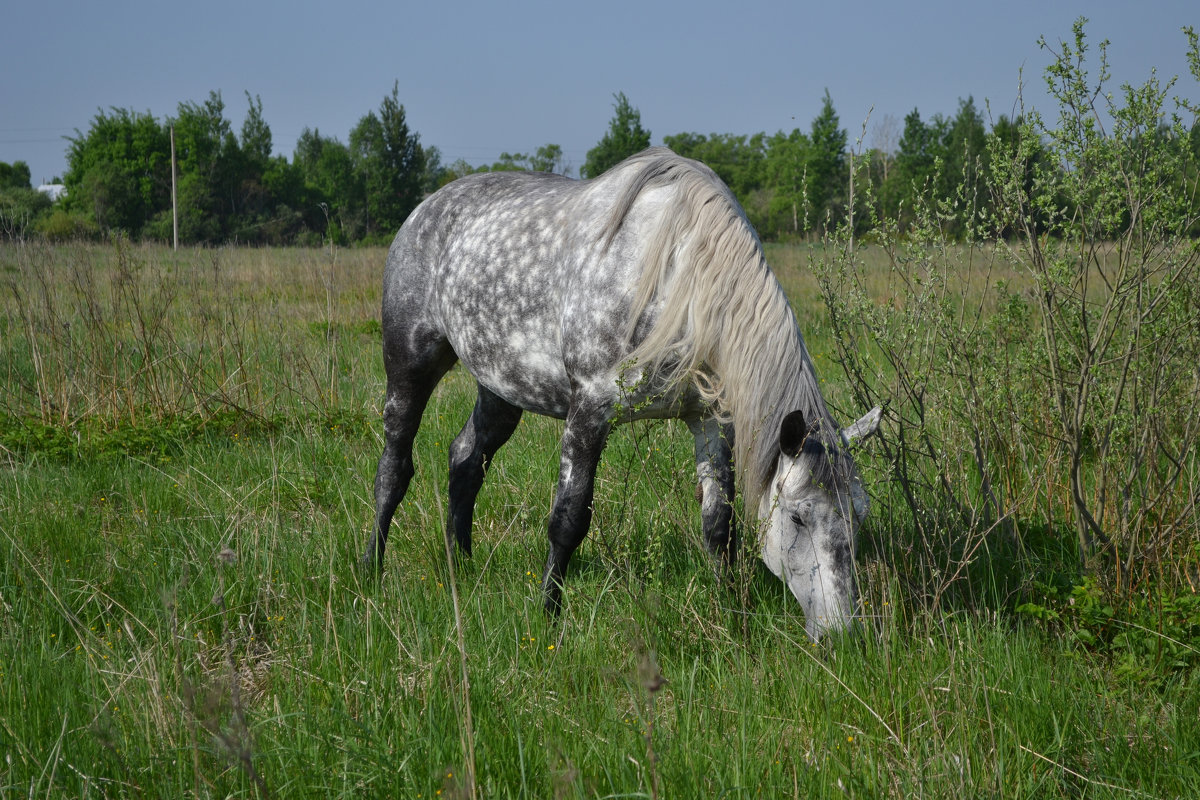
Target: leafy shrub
{"type": "Point", "coordinates": [1149, 637]}
{"type": "Point", "coordinates": [1040, 375]}
{"type": "Point", "coordinates": [63, 226]}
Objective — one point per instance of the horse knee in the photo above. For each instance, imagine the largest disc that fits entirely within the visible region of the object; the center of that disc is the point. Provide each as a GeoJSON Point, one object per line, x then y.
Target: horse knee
{"type": "Point", "coordinates": [395, 468]}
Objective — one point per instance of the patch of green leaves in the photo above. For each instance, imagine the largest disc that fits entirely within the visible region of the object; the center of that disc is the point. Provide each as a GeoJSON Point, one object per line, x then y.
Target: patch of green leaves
{"type": "Point", "coordinates": [97, 439]}
{"type": "Point", "coordinates": [1148, 638]}
{"type": "Point", "coordinates": [364, 327]}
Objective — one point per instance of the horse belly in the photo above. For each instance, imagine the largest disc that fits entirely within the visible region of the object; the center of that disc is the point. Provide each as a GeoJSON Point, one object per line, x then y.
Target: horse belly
{"type": "Point", "coordinates": [526, 371]}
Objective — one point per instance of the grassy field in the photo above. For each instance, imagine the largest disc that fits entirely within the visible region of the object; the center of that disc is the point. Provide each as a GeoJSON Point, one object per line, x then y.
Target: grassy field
{"type": "Point", "coordinates": [187, 444]}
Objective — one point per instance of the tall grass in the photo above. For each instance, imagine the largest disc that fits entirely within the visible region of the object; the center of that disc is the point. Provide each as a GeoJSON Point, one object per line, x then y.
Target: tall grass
{"type": "Point", "coordinates": [121, 330]}
{"type": "Point", "coordinates": [189, 443]}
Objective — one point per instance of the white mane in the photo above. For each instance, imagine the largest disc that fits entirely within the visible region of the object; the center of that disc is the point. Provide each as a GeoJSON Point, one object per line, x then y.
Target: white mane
{"type": "Point", "coordinates": [725, 323]}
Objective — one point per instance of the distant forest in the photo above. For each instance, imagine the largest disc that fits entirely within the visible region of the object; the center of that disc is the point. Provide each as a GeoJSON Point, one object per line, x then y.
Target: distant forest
{"type": "Point", "coordinates": [792, 184]}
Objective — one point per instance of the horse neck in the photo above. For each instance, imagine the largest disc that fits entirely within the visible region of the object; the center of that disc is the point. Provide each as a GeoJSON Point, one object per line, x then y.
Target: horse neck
{"type": "Point", "coordinates": [764, 377]}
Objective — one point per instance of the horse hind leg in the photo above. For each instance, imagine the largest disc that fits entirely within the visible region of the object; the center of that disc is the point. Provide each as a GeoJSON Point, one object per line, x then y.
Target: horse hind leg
{"type": "Point", "coordinates": [488, 428]}
{"type": "Point", "coordinates": [407, 397]}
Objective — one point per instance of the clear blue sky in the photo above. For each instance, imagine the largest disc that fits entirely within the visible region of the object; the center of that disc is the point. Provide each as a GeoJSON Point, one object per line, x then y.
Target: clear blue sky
{"type": "Point", "coordinates": [479, 78]}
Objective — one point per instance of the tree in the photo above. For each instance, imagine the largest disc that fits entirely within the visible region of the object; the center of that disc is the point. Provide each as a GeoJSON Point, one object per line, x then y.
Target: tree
{"type": "Point", "coordinates": [547, 158]}
{"type": "Point", "coordinates": [390, 163]}
{"type": "Point", "coordinates": [14, 176]}
{"type": "Point", "coordinates": [550, 158]}
{"type": "Point", "coordinates": [119, 172]}
{"type": "Point", "coordinates": [1115, 302]}
{"type": "Point", "coordinates": [790, 206]}
{"type": "Point", "coordinates": [739, 160]}
{"type": "Point", "coordinates": [912, 170]}
{"type": "Point", "coordinates": [916, 154]}
{"type": "Point", "coordinates": [256, 134]}
{"type": "Point", "coordinates": [1191, 176]}
{"type": "Point", "coordinates": [943, 162]}
{"type": "Point", "coordinates": [335, 199]}
{"type": "Point", "coordinates": [961, 180]}
{"type": "Point", "coordinates": [460, 168]}
{"type": "Point", "coordinates": [885, 138]}
{"type": "Point", "coordinates": [435, 170]}
{"type": "Point", "coordinates": [208, 157]}
{"type": "Point", "coordinates": [625, 137]}
{"type": "Point", "coordinates": [254, 204]}
{"type": "Point", "coordinates": [20, 204]}
{"type": "Point", "coordinates": [284, 216]}
{"type": "Point", "coordinates": [827, 159]}
{"type": "Point", "coordinates": [1011, 150]}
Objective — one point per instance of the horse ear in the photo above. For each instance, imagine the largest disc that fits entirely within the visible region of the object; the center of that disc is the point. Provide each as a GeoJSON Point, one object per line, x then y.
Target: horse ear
{"type": "Point", "coordinates": [863, 427]}
{"type": "Point", "coordinates": [792, 433]}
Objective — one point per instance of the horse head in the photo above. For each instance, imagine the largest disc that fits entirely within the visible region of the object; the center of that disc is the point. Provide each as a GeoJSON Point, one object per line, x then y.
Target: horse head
{"type": "Point", "coordinates": [812, 510]}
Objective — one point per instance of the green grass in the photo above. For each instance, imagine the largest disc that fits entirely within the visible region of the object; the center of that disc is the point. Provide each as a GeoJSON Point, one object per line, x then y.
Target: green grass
{"type": "Point", "coordinates": [186, 618]}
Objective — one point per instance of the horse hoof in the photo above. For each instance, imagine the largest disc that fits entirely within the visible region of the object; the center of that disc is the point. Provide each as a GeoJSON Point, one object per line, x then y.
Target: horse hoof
{"type": "Point", "coordinates": [370, 566]}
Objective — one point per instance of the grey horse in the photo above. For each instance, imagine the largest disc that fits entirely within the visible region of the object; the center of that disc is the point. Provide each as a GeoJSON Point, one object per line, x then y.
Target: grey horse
{"type": "Point", "coordinates": [643, 293]}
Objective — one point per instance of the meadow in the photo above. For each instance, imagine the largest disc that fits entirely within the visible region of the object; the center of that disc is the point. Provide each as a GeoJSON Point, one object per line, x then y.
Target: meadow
{"type": "Point", "coordinates": [187, 445]}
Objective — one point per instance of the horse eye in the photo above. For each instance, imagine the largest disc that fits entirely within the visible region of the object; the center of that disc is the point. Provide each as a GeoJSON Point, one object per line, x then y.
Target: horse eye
{"type": "Point", "coordinates": [796, 519]}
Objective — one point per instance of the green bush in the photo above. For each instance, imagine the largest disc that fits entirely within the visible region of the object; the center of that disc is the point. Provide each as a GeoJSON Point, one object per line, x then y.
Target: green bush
{"type": "Point", "coordinates": [20, 209]}
{"type": "Point", "coordinates": [64, 226]}
{"type": "Point", "coordinates": [1040, 374]}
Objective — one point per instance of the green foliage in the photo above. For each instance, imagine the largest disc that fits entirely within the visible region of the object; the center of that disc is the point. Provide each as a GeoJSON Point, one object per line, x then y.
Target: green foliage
{"type": "Point", "coordinates": [20, 210]}
{"type": "Point", "coordinates": [790, 184]}
{"type": "Point", "coordinates": [63, 226]}
{"type": "Point", "coordinates": [1032, 340]}
{"type": "Point", "coordinates": [97, 440]}
{"type": "Point", "coordinates": [790, 203]}
{"type": "Point", "coordinates": [231, 187]}
{"type": "Point", "coordinates": [119, 177]}
{"type": "Point", "coordinates": [739, 160]}
{"type": "Point", "coordinates": [389, 162]}
{"type": "Point", "coordinates": [944, 163]}
{"type": "Point", "coordinates": [255, 137]}
{"type": "Point", "coordinates": [23, 210]}
{"type": "Point", "coordinates": [14, 176]}
{"type": "Point", "coordinates": [330, 186]}
{"type": "Point", "coordinates": [826, 165]}
{"type": "Point", "coordinates": [625, 136]}
{"type": "Point", "coordinates": [547, 158]}
{"type": "Point", "coordinates": [1149, 639]}
{"type": "Point", "coordinates": [459, 169]}
{"type": "Point", "coordinates": [119, 172]}
{"type": "Point", "coordinates": [1114, 283]}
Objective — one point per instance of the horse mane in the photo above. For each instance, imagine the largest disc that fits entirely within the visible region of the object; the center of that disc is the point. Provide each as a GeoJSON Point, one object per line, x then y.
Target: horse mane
{"type": "Point", "coordinates": [724, 322]}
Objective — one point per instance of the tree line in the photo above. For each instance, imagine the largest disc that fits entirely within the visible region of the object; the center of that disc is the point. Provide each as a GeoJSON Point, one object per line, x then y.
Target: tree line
{"type": "Point", "coordinates": [796, 184]}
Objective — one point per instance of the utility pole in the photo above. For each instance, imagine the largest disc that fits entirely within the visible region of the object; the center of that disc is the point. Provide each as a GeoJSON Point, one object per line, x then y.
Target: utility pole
{"type": "Point", "coordinates": [174, 206]}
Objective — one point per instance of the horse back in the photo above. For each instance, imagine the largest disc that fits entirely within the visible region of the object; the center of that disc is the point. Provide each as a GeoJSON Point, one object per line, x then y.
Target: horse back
{"type": "Point", "coordinates": [508, 269]}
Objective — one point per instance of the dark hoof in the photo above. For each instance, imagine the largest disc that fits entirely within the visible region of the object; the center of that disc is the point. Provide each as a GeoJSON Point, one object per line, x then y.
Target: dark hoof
{"type": "Point", "coordinates": [553, 600]}
{"type": "Point", "coordinates": [370, 566]}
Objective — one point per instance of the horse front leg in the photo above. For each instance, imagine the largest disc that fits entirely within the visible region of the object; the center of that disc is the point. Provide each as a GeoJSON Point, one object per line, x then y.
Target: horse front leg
{"type": "Point", "coordinates": [583, 441]}
{"type": "Point", "coordinates": [715, 490]}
